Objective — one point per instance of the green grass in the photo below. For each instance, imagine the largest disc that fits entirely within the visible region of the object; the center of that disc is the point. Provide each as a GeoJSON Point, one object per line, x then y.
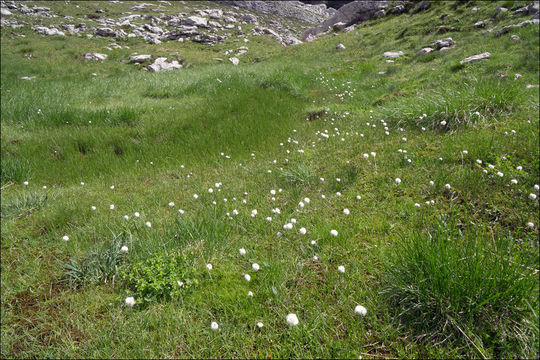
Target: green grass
{"type": "Point", "coordinates": [456, 277]}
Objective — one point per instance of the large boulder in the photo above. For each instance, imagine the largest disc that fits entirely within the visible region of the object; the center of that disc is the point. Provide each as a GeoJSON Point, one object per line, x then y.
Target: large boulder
{"type": "Point", "coordinates": [443, 43]}
{"type": "Point", "coordinates": [351, 13]}
{"type": "Point", "coordinates": [48, 31]}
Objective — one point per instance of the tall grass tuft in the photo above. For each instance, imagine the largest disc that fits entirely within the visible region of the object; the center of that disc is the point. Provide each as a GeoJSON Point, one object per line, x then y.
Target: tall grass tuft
{"type": "Point", "coordinates": [472, 103]}
{"type": "Point", "coordinates": [472, 288]}
{"type": "Point", "coordinates": [14, 169]}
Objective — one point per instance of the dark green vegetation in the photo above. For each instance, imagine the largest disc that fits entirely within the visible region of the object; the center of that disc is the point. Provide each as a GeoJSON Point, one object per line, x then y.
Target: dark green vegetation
{"type": "Point", "coordinates": [457, 277]}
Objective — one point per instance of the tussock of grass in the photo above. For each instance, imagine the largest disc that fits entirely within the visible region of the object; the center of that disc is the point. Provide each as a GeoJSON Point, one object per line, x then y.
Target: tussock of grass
{"type": "Point", "coordinates": [463, 288]}
{"type": "Point", "coordinates": [474, 102]}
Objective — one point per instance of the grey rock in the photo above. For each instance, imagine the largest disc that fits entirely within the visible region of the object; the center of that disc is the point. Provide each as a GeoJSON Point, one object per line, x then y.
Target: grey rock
{"type": "Point", "coordinates": [438, 44]}
{"type": "Point", "coordinates": [478, 57]}
{"type": "Point", "coordinates": [396, 10]}
{"type": "Point", "coordinates": [340, 47]}
{"type": "Point", "coordinates": [229, 19]}
{"type": "Point", "coordinates": [215, 13]}
{"type": "Point", "coordinates": [313, 14]}
{"type": "Point", "coordinates": [393, 54]}
{"type": "Point", "coordinates": [108, 32]}
{"type": "Point", "coordinates": [338, 26]}
{"type": "Point", "coordinates": [40, 9]}
{"type": "Point", "coordinates": [234, 60]}
{"type": "Point", "coordinates": [351, 13]}
{"type": "Point", "coordinates": [5, 12]}
{"type": "Point", "coordinates": [28, 77]}
{"type": "Point", "coordinates": [291, 40]}
{"type": "Point", "coordinates": [349, 28]}
{"type": "Point", "coordinates": [425, 50]}
{"type": "Point", "coordinates": [48, 31]}
{"type": "Point", "coordinates": [515, 37]}
{"type": "Point", "coordinates": [161, 64]}
{"type": "Point", "coordinates": [249, 18]}
{"type": "Point", "coordinates": [501, 10]}
{"type": "Point", "coordinates": [507, 28]}
{"type": "Point", "coordinates": [139, 59]}
{"type": "Point", "coordinates": [195, 21]}
{"type": "Point", "coordinates": [481, 23]}
{"type": "Point", "coordinates": [95, 56]}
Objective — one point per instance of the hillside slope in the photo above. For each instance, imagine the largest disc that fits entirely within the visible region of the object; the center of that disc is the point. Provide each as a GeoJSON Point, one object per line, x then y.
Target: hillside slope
{"type": "Point", "coordinates": [386, 198]}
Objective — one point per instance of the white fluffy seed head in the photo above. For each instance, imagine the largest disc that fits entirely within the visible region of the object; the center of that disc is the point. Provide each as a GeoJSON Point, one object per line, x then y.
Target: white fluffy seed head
{"type": "Point", "coordinates": [129, 301]}
{"type": "Point", "coordinates": [242, 251]}
{"type": "Point", "coordinates": [209, 267]}
{"type": "Point", "coordinates": [65, 238]}
{"type": "Point", "coordinates": [333, 232]}
{"type": "Point", "coordinates": [247, 277]}
{"type": "Point", "coordinates": [341, 268]}
{"type": "Point", "coordinates": [360, 310]}
{"type": "Point", "coordinates": [398, 181]}
{"type": "Point", "coordinates": [148, 224]}
{"type": "Point", "coordinates": [302, 231]}
{"type": "Point", "coordinates": [214, 326]}
{"type": "Point", "coordinates": [255, 266]}
{"type": "Point", "coordinates": [124, 249]}
{"type": "Point", "coordinates": [292, 320]}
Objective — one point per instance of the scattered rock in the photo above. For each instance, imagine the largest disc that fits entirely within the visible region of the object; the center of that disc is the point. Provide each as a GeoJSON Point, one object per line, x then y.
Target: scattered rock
{"type": "Point", "coordinates": [48, 31]}
{"type": "Point", "coordinates": [517, 76]}
{"type": "Point", "coordinates": [28, 77]}
{"type": "Point", "coordinates": [396, 10]}
{"type": "Point", "coordinates": [161, 64]}
{"type": "Point", "coordinates": [478, 57]}
{"type": "Point", "coordinates": [531, 86]}
{"type": "Point", "coordinates": [393, 54]}
{"type": "Point", "coordinates": [507, 28]}
{"type": "Point", "coordinates": [515, 37]}
{"type": "Point", "coordinates": [195, 21]}
{"type": "Point", "coordinates": [481, 23]}
{"type": "Point", "coordinates": [340, 47]}
{"type": "Point", "coordinates": [349, 28]}
{"type": "Point", "coordinates": [338, 26]}
{"type": "Point", "coordinates": [425, 50]}
{"type": "Point", "coordinates": [234, 60]}
{"type": "Point", "coordinates": [5, 12]}
{"type": "Point", "coordinates": [438, 44]}
{"type": "Point", "coordinates": [215, 13]}
{"type": "Point", "coordinates": [501, 10]}
{"type": "Point", "coordinates": [95, 56]}
{"type": "Point", "coordinates": [139, 59]}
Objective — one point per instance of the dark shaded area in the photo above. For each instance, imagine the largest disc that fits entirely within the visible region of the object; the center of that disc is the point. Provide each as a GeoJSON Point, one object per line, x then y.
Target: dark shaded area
{"type": "Point", "coordinates": [328, 3]}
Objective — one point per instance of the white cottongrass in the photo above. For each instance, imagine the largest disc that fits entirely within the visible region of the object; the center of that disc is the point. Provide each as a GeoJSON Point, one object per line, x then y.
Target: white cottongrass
{"type": "Point", "coordinates": [242, 251]}
{"type": "Point", "coordinates": [532, 196]}
{"type": "Point", "coordinates": [360, 310]}
{"type": "Point", "coordinates": [260, 325]}
{"type": "Point", "coordinates": [111, 206]}
{"type": "Point", "coordinates": [129, 301]}
{"type": "Point", "coordinates": [288, 226]}
{"type": "Point", "coordinates": [250, 294]}
{"type": "Point", "coordinates": [398, 181]}
{"type": "Point", "coordinates": [514, 181]}
{"type": "Point", "coordinates": [341, 268]}
{"type": "Point", "coordinates": [136, 214]}
{"type": "Point", "coordinates": [536, 187]}
{"type": "Point", "coordinates": [531, 225]}
{"type": "Point", "coordinates": [255, 266]}
{"type": "Point", "coordinates": [25, 183]}
{"type": "Point", "coordinates": [214, 326]}
{"type": "Point", "coordinates": [302, 231]}
{"type": "Point", "coordinates": [333, 232]}
{"type": "Point", "coordinates": [126, 217]}
{"type": "Point", "coordinates": [346, 211]}
{"type": "Point", "coordinates": [93, 208]}
{"type": "Point", "coordinates": [209, 267]}
{"type": "Point", "coordinates": [447, 186]}
{"type": "Point", "coordinates": [124, 249]}
{"type": "Point", "coordinates": [253, 212]}
{"type": "Point", "coordinates": [148, 224]}
{"type": "Point", "coordinates": [171, 204]}
{"type": "Point", "coordinates": [65, 238]}
{"type": "Point", "coordinates": [247, 277]}
{"type": "Point", "coordinates": [292, 320]}
{"type": "Point", "coordinates": [195, 196]}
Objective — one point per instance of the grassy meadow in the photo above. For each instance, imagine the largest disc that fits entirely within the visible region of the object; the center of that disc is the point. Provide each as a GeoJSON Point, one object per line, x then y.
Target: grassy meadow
{"type": "Point", "coordinates": [427, 169]}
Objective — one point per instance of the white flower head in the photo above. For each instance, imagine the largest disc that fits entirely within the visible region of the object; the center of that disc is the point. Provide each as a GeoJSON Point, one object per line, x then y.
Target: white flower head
{"type": "Point", "coordinates": [292, 320]}
{"type": "Point", "coordinates": [447, 186]}
{"type": "Point", "coordinates": [255, 266]}
{"type": "Point", "coordinates": [129, 301]}
{"type": "Point", "coordinates": [171, 204]}
{"type": "Point", "coordinates": [242, 251]}
{"type": "Point", "coordinates": [398, 181]}
{"type": "Point", "coordinates": [532, 196]}
{"type": "Point", "coordinates": [148, 224]}
{"type": "Point", "coordinates": [302, 231]}
{"type": "Point", "coordinates": [209, 267]}
{"type": "Point", "coordinates": [111, 207]}
{"type": "Point", "coordinates": [214, 326]}
{"type": "Point", "coordinates": [360, 310]}
{"type": "Point", "coordinates": [346, 211]}
{"type": "Point", "coordinates": [333, 232]}
{"type": "Point", "coordinates": [341, 269]}
{"type": "Point", "coordinates": [260, 325]}
{"type": "Point", "coordinates": [65, 238]}
{"type": "Point", "coordinates": [250, 294]}
{"type": "Point", "coordinates": [136, 214]}
{"type": "Point", "coordinates": [247, 277]}
{"type": "Point", "coordinates": [124, 249]}
{"type": "Point", "coordinates": [93, 208]}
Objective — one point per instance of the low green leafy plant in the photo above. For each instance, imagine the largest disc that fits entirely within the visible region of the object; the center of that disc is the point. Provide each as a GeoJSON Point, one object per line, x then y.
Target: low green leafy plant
{"type": "Point", "coordinates": [161, 277]}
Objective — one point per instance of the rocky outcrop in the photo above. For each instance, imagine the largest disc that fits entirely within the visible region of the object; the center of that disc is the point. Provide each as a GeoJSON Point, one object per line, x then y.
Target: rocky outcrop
{"type": "Point", "coordinates": [352, 13]}
{"type": "Point", "coordinates": [312, 14]}
{"type": "Point", "coordinates": [161, 64]}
